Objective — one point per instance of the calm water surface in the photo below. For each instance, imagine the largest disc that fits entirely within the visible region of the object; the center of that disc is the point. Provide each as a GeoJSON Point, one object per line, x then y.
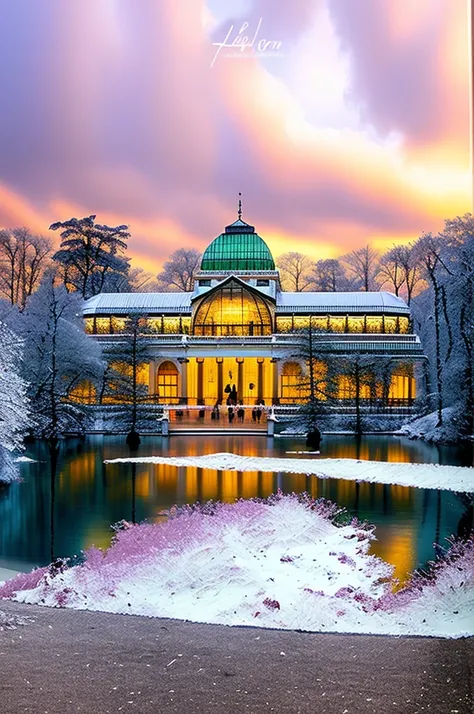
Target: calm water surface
{"type": "Point", "coordinates": [89, 496]}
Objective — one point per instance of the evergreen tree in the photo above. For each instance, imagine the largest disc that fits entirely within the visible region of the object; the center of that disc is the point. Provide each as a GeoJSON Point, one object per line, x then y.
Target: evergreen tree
{"type": "Point", "coordinates": [124, 381]}
{"type": "Point", "coordinates": [317, 382]}
{"type": "Point", "coordinates": [91, 256]}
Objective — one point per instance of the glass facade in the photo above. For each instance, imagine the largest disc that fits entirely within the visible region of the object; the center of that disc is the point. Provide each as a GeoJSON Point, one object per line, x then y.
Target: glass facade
{"type": "Point", "coordinates": [162, 325]}
{"type": "Point", "coordinates": [232, 310]}
{"type": "Point", "coordinates": [366, 324]}
{"type": "Point", "coordinates": [181, 324]}
{"type": "Point", "coordinates": [237, 251]}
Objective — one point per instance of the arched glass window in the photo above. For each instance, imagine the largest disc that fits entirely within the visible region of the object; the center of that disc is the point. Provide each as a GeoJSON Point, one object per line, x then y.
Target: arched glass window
{"type": "Point", "coordinates": [291, 382]}
{"type": "Point", "coordinates": [167, 383]}
{"type": "Point", "coordinates": [233, 310]}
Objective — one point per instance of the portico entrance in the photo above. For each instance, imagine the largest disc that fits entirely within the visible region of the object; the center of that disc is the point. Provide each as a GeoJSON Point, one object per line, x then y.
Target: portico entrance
{"type": "Point", "coordinates": [228, 380]}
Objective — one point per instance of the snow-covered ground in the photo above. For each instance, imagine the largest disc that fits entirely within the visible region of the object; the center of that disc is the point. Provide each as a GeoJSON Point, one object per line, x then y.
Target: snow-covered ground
{"type": "Point", "coordinates": [281, 563]}
{"type": "Point", "coordinates": [426, 427]}
{"type": "Point", "coordinates": [452, 478]}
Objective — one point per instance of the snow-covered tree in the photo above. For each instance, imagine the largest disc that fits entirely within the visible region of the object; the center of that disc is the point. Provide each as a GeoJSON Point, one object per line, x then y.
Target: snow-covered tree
{"type": "Point", "coordinates": [458, 307]}
{"type": "Point", "coordinates": [14, 406]}
{"type": "Point", "coordinates": [91, 255]}
{"type": "Point", "coordinates": [432, 259]}
{"type": "Point", "coordinates": [180, 269]}
{"type": "Point", "coordinates": [443, 316]}
{"type": "Point", "coordinates": [59, 356]}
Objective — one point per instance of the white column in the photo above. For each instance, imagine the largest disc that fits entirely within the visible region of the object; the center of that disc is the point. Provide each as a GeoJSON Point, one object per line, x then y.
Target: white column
{"type": "Point", "coordinates": [184, 380]}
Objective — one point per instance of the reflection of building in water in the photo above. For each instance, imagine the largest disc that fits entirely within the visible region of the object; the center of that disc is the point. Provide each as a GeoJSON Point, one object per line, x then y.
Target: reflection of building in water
{"type": "Point", "coordinates": [236, 336]}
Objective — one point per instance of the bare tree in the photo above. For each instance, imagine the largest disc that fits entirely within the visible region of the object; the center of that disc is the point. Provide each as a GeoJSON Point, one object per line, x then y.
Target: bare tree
{"type": "Point", "coordinates": [399, 269]}
{"type": "Point", "coordinates": [180, 269]}
{"type": "Point", "coordinates": [137, 280]}
{"type": "Point", "coordinates": [390, 272]}
{"type": "Point", "coordinates": [457, 297]}
{"type": "Point", "coordinates": [23, 259]}
{"type": "Point", "coordinates": [429, 255]}
{"type": "Point", "coordinates": [296, 271]}
{"type": "Point", "coordinates": [409, 261]}
{"type": "Point", "coordinates": [329, 276]}
{"type": "Point", "coordinates": [363, 265]}
{"type": "Point", "coordinates": [361, 371]}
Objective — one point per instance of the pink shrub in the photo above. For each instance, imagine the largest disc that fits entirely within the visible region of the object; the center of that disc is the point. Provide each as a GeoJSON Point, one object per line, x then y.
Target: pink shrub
{"type": "Point", "coordinates": [453, 569]}
{"type": "Point", "coordinates": [22, 581]}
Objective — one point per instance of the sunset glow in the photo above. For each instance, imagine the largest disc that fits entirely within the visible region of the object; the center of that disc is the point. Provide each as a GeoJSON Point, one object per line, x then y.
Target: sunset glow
{"type": "Point", "coordinates": [356, 130]}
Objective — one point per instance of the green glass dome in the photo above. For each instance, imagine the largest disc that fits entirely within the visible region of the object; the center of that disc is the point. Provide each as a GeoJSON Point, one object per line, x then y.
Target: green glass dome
{"type": "Point", "coordinates": [239, 248]}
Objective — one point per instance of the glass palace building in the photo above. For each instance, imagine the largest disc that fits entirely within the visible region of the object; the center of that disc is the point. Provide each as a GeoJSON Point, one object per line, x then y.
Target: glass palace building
{"type": "Point", "coordinates": [238, 330]}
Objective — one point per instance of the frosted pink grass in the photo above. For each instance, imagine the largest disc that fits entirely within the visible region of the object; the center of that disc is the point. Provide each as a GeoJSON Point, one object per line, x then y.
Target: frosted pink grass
{"type": "Point", "coordinates": [452, 570]}
{"type": "Point", "coordinates": [22, 581]}
{"type": "Point", "coordinates": [146, 551]}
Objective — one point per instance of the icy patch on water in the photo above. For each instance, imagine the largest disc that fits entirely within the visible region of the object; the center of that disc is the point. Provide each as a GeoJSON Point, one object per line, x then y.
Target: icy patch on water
{"type": "Point", "coordinates": [452, 478]}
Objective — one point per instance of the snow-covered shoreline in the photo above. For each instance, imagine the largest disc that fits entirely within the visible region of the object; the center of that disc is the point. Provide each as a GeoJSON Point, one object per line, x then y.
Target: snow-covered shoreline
{"type": "Point", "coordinates": [282, 562]}
{"type": "Point", "coordinates": [451, 478]}
{"type": "Point", "coordinates": [426, 428]}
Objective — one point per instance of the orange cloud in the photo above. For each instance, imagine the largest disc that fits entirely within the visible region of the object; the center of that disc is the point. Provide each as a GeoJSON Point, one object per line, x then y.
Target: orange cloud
{"type": "Point", "coordinates": [137, 129]}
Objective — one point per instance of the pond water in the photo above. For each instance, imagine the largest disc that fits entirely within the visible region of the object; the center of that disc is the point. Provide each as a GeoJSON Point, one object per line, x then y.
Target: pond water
{"type": "Point", "coordinates": [89, 497]}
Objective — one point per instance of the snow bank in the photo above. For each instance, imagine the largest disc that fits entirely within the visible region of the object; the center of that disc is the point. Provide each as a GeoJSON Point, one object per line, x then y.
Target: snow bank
{"type": "Point", "coordinates": [283, 562]}
{"type": "Point", "coordinates": [426, 427]}
{"type": "Point", "coordinates": [451, 478]}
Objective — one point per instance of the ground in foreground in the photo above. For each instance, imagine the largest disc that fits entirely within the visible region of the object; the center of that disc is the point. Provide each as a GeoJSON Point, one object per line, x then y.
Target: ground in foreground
{"type": "Point", "coordinates": [95, 662]}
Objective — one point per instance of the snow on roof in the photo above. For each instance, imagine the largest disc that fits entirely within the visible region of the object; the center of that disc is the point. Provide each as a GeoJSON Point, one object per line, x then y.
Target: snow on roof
{"type": "Point", "coordinates": [123, 303]}
{"type": "Point", "coordinates": [158, 303]}
{"type": "Point", "coordinates": [340, 302]}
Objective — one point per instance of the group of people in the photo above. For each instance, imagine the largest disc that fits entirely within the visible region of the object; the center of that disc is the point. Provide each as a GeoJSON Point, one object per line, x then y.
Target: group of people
{"type": "Point", "coordinates": [231, 392]}
{"type": "Point", "coordinates": [236, 412]}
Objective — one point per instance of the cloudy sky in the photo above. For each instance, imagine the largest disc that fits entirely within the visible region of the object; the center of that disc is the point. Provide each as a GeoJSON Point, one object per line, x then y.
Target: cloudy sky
{"type": "Point", "coordinates": [345, 123]}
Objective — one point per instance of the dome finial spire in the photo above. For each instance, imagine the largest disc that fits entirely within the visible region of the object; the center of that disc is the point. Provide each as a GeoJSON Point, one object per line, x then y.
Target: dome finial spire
{"type": "Point", "coordinates": [239, 212]}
